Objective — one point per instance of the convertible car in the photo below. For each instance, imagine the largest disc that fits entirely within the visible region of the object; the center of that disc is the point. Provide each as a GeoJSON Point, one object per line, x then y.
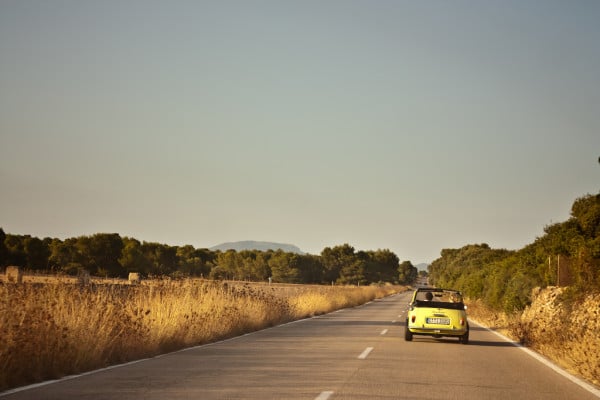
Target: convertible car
{"type": "Point", "coordinates": [437, 313]}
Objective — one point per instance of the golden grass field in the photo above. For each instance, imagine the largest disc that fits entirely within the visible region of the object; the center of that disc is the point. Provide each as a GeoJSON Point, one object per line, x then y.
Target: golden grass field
{"type": "Point", "coordinates": [53, 328]}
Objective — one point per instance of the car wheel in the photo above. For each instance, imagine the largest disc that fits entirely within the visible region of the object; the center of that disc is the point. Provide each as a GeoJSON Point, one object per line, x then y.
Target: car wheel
{"type": "Point", "coordinates": [408, 336]}
{"type": "Point", "coordinates": [464, 339]}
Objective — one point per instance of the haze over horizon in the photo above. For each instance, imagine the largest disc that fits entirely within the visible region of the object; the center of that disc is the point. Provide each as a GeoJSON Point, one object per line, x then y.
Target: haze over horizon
{"type": "Point", "coordinates": [411, 126]}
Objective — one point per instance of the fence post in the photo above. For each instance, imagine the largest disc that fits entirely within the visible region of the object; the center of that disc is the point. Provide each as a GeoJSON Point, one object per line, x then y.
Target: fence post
{"type": "Point", "coordinates": [14, 274]}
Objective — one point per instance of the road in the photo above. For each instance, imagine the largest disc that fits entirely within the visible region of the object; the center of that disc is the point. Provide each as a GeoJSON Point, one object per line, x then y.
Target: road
{"type": "Point", "coordinates": [357, 353]}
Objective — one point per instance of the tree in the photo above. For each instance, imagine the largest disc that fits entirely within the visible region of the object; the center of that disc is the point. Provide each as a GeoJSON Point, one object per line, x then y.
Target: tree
{"type": "Point", "coordinates": [133, 258]}
{"type": "Point", "coordinates": [382, 266]}
{"type": "Point", "coordinates": [353, 271]}
{"type": "Point", "coordinates": [16, 250]}
{"type": "Point", "coordinates": [407, 273]}
{"type": "Point", "coordinates": [334, 259]}
{"type": "Point", "coordinates": [255, 265]}
{"type": "Point", "coordinates": [193, 262]}
{"type": "Point", "coordinates": [104, 251]}
{"type": "Point", "coordinates": [162, 258]}
{"type": "Point", "coordinates": [284, 267]}
{"type": "Point", "coordinates": [229, 266]}
{"type": "Point", "coordinates": [3, 249]}
{"type": "Point", "coordinates": [310, 268]}
{"type": "Point", "coordinates": [36, 253]}
{"type": "Point", "coordinates": [64, 256]}
{"type": "Point", "coordinates": [586, 212]}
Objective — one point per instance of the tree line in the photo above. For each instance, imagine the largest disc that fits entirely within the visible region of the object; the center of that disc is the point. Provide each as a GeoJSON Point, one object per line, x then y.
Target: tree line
{"type": "Point", "coordinates": [110, 255]}
{"type": "Point", "coordinates": [568, 254]}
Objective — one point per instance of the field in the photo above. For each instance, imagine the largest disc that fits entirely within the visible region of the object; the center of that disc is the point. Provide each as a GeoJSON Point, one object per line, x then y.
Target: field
{"type": "Point", "coordinates": [52, 327]}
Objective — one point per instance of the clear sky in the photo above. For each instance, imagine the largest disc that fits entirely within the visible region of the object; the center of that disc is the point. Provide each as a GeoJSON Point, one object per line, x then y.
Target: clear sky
{"type": "Point", "coordinates": [404, 125]}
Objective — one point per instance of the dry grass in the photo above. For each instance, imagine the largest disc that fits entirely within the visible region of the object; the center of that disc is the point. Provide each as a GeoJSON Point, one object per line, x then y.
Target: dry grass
{"type": "Point", "coordinates": [568, 338]}
{"type": "Point", "coordinates": [55, 329]}
{"type": "Point", "coordinates": [508, 325]}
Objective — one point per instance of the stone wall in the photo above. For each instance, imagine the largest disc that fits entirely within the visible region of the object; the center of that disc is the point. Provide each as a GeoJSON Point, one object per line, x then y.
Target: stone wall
{"type": "Point", "coordinates": [567, 333]}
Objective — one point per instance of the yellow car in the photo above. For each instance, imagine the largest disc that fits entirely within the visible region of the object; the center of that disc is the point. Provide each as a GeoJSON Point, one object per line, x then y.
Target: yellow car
{"type": "Point", "coordinates": [437, 313]}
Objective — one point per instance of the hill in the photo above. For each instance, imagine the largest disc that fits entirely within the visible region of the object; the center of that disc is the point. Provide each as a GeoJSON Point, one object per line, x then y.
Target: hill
{"type": "Point", "coordinates": [256, 245]}
{"type": "Point", "coordinates": [422, 266]}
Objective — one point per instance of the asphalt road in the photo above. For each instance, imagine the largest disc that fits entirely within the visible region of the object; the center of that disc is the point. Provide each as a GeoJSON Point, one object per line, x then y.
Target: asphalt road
{"type": "Point", "coordinates": [357, 353]}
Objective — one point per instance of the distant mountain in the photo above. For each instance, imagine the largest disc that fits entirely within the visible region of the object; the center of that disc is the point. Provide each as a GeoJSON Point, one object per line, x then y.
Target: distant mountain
{"type": "Point", "coordinates": [254, 245]}
{"type": "Point", "coordinates": [422, 266]}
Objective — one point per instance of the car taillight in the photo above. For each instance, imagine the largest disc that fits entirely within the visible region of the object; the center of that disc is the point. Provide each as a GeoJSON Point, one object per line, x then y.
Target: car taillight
{"type": "Point", "coordinates": [413, 318]}
{"type": "Point", "coordinates": [462, 322]}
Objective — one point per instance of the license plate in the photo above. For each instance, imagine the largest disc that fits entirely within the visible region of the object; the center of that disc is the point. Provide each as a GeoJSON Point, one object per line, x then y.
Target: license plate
{"type": "Point", "coordinates": [438, 321]}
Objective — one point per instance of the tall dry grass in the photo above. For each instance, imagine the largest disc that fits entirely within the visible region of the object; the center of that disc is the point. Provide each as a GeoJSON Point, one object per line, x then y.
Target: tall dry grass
{"type": "Point", "coordinates": [55, 329]}
{"type": "Point", "coordinates": [568, 338]}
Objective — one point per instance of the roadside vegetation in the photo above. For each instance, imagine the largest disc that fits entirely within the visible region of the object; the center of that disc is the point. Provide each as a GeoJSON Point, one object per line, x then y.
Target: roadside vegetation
{"type": "Point", "coordinates": [568, 255]}
{"type": "Point", "coordinates": [59, 328]}
{"type": "Point", "coordinates": [67, 308]}
{"type": "Point", "coordinates": [545, 295]}
{"type": "Point", "coordinates": [110, 255]}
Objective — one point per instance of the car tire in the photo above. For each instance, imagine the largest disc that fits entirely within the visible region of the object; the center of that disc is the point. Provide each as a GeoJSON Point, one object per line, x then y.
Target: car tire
{"type": "Point", "coordinates": [408, 336]}
{"type": "Point", "coordinates": [464, 339]}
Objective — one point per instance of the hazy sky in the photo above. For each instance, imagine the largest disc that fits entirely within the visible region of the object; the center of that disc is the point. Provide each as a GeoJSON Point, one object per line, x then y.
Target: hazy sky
{"type": "Point", "coordinates": [412, 126]}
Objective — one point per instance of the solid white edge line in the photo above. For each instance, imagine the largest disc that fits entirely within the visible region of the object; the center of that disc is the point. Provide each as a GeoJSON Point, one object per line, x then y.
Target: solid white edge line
{"type": "Point", "coordinates": [365, 353]}
{"type": "Point", "coordinates": [324, 395]}
{"type": "Point", "coordinates": [69, 377]}
{"type": "Point", "coordinates": [580, 382]}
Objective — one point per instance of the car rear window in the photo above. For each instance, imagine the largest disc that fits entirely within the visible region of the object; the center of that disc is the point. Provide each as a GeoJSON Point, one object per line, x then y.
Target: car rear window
{"type": "Point", "coordinates": [439, 299]}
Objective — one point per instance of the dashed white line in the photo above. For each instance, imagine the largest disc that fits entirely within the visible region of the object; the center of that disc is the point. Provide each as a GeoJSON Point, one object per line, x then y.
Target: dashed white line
{"type": "Point", "coordinates": [383, 332]}
{"type": "Point", "coordinates": [365, 353]}
{"type": "Point", "coordinates": [324, 395]}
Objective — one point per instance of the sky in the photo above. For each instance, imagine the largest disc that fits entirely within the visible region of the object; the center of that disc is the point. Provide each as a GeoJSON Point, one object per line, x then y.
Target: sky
{"type": "Point", "coordinates": [412, 126]}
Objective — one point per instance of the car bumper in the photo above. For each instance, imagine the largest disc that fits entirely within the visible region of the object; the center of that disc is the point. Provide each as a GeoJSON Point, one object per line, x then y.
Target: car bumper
{"type": "Point", "coordinates": [436, 331]}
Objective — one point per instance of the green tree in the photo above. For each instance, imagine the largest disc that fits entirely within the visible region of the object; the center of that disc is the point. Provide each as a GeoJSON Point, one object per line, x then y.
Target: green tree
{"type": "Point", "coordinates": [229, 266]}
{"type": "Point", "coordinates": [16, 250]}
{"type": "Point", "coordinates": [284, 267]}
{"type": "Point", "coordinates": [310, 268]}
{"type": "Point", "coordinates": [162, 258]}
{"type": "Point", "coordinates": [353, 271]}
{"type": "Point", "coordinates": [133, 258]}
{"type": "Point", "coordinates": [382, 266]}
{"type": "Point", "coordinates": [3, 250]}
{"type": "Point", "coordinates": [407, 273]}
{"type": "Point", "coordinates": [193, 262]}
{"type": "Point", "coordinates": [334, 259]}
{"type": "Point", "coordinates": [37, 253]}
{"type": "Point", "coordinates": [64, 256]}
{"type": "Point", "coordinates": [256, 265]}
{"type": "Point", "coordinates": [586, 212]}
{"type": "Point", "coordinates": [103, 251]}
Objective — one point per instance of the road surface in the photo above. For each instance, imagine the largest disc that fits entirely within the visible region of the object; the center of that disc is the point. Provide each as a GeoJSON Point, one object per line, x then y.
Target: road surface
{"type": "Point", "coordinates": [357, 353]}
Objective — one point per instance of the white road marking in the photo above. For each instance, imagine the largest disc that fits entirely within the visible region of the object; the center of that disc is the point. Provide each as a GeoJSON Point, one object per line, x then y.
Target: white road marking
{"type": "Point", "coordinates": [235, 338]}
{"type": "Point", "coordinates": [394, 321]}
{"type": "Point", "coordinates": [324, 395]}
{"type": "Point", "coordinates": [365, 353]}
{"type": "Point", "coordinates": [383, 332]}
{"type": "Point", "coordinates": [544, 361]}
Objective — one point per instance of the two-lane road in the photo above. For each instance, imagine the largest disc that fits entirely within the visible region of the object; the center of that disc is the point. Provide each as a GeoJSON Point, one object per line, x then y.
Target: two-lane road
{"type": "Point", "coordinates": [357, 353]}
